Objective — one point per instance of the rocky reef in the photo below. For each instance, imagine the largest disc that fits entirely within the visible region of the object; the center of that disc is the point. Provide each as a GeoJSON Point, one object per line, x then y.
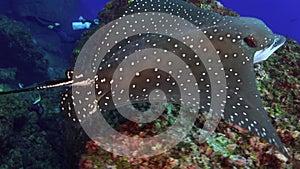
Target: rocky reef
{"type": "Point", "coordinates": [278, 80]}
{"type": "Point", "coordinates": [41, 136]}
{"type": "Point", "coordinates": [231, 146]}
{"type": "Point", "coordinates": [31, 134]}
{"type": "Point", "coordinates": [20, 56]}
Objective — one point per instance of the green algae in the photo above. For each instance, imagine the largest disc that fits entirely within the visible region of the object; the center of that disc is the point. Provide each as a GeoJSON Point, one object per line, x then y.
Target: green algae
{"type": "Point", "coordinates": [20, 130]}
{"type": "Point", "coordinates": [219, 142]}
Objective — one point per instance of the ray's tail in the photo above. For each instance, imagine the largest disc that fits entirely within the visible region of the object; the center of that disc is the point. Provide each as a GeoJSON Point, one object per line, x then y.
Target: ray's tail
{"type": "Point", "coordinates": [67, 81]}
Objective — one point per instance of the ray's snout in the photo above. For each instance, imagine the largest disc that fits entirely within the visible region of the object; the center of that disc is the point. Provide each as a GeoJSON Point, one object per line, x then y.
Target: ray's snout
{"type": "Point", "coordinates": [264, 54]}
{"type": "Point", "coordinates": [279, 41]}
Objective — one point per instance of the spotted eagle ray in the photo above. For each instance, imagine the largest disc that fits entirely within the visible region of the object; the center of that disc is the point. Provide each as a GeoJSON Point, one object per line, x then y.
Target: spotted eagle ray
{"type": "Point", "coordinates": [239, 41]}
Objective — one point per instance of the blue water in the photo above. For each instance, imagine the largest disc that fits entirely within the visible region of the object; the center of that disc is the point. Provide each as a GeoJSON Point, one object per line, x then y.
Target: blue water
{"type": "Point", "coordinates": [282, 17]}
{"type": "Point", "coordinates": [90, 8]}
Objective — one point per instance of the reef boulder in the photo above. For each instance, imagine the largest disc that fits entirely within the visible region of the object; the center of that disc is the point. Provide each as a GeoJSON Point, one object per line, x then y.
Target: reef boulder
{"type": "Point", "coordinates": [19, 51]}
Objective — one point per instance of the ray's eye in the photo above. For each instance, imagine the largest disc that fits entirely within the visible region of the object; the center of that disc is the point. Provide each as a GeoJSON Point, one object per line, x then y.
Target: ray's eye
{"type": "Point", "coordinates": [69, 74]}
{"type": "Point", "coordinates": [251, 41]}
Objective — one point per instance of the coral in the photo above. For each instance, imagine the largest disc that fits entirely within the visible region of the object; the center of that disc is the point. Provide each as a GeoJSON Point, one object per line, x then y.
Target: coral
{"type": "Point", "coordinates": [113, 10]}
{"type": "Point", "coordinates": [29, 137]}
{"type": "Point", "coordinates": [213, 5]}
{"type": "Point", "coordinates": [279, 84]}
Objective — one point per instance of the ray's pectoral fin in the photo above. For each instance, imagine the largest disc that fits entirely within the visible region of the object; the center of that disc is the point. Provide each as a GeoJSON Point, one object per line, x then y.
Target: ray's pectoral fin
{"type": "Point", "coordinates": [244, 106]}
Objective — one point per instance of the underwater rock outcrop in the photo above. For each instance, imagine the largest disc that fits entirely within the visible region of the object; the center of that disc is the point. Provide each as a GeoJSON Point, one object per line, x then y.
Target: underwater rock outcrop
{"type": "Point", "coordinates": [29, 138]}
{"type": "Point", "coordinates": [232, 146]}
{"type": "Point", "coordinates": [19, 51]}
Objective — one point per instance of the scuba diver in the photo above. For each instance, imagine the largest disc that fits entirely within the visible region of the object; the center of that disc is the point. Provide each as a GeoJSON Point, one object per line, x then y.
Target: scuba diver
{"type": "Point", "coordinates": [54, 26]}
{"type": "Point", "coordinates": [82, 23]}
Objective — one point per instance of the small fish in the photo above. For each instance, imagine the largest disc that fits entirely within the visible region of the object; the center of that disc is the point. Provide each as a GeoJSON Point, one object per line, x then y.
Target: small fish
{"type": "Point", "coordinates": [37, 100]}
{"type": "Point", "coordinates": [294, 20]}
{"type": "Point", "coordinates": [239, 41]}
{"type": "Point", "coordinates": [21, 86]}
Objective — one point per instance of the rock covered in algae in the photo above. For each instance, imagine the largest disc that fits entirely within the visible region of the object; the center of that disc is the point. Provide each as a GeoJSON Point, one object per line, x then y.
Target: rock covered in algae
{"type": "Point", "coordinates": [278, 82]}
{"type": "Point", "coordinates": [19, 51]}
